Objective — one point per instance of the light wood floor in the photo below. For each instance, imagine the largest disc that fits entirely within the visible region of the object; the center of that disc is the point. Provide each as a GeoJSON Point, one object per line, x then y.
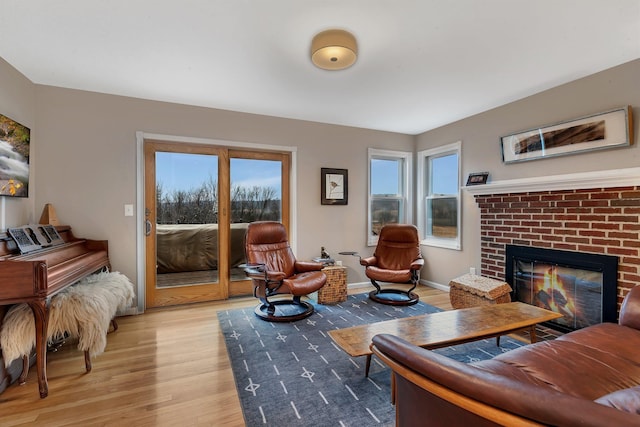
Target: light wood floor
{"type": "Point", "coordinates": [167, 367]}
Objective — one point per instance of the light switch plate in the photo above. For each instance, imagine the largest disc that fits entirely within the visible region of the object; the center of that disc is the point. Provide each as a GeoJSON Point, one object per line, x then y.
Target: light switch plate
{"type": "Point", "coordinates": [128, 210]}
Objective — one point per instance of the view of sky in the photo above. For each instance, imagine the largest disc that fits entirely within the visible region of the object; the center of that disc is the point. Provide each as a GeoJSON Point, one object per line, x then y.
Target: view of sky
{"type": "Point", "coordinates": [445, 168]}
{"type": "Point", "coordinates": [385, 175]}
{"type": "Point", "coordinates": [181, 171]}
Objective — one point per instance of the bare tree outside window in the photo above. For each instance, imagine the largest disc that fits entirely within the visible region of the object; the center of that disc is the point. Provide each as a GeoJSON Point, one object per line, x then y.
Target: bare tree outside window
{"type": "Point", "coordinates": [200, 205]}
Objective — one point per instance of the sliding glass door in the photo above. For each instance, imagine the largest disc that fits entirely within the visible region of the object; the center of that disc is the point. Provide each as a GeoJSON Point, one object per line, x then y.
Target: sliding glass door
{"type": "Point", "coordinates": [199, 200]}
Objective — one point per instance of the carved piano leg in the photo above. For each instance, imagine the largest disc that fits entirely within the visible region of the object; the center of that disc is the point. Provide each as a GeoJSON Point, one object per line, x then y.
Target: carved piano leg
{"type": "Point", "coordinates": [41, 316]}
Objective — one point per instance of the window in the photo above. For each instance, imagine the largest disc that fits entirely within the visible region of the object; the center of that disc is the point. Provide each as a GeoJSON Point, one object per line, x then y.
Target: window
{"type": "Point", "coordinates": [389, 190]}
{"type": "Point", "coordinates": [439, 193]}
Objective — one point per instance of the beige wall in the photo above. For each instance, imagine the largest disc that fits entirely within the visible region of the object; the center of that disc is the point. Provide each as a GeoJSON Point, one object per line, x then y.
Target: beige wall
{"type": "Point", "coordinates": [480, 136]}
{"type": "Point", "coordinates": [87, 166]}
{"type": "Point", "coordinates": [17, 101]}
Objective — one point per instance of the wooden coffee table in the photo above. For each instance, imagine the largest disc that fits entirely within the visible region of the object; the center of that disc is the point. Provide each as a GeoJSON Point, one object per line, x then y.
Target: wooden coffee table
{"type": "Point", "coordinates": [446, 328]}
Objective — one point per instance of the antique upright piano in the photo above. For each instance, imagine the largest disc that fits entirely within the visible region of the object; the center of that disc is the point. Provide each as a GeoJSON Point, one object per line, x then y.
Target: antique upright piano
{"type": "Point", "coordinates": [36, 276]}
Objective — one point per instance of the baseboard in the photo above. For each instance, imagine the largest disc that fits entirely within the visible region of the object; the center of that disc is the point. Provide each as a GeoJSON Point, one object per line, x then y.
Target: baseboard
{"type": "Point", "coordinates": [360, 285]}
{"type": "Point", "coordinates": [131, 311]}
{"type": "Point", "coordinates": [435, 285]}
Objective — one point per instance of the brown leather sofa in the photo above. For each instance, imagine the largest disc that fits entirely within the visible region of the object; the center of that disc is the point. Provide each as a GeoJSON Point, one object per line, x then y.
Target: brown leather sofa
{"type": "Point", "coordinates": [589, 377]}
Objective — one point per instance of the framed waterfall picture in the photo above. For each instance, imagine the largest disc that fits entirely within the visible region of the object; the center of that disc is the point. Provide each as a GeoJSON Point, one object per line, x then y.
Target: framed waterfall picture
{"type": "Point", "coordinates": [599, 131]}
{"type": "Point", "coordinates": [333, 186]}
{"type": "Point", "coordinates": [14, 158]}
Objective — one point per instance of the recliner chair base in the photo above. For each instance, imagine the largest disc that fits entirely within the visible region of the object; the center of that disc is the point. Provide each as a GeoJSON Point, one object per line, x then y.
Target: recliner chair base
{"type": "Point", "coordinates": [394, 297]}
{"type": "Point", "coordinates": [286, 310]}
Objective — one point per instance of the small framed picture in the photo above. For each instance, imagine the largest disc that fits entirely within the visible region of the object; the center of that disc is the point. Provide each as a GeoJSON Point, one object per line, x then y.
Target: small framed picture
{"type": "Point", "coordinates": [333, 186]}
{"type": "Point", "coordinates": [477, 178]}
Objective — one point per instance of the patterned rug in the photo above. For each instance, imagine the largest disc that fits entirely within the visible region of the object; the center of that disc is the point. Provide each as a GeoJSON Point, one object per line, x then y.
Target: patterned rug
{"type": "Point", "coordinates": [293, 374]}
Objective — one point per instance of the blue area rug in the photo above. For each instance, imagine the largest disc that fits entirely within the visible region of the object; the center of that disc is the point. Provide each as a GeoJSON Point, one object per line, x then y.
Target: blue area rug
{"type": "Point", "coordinates": [293, 374]}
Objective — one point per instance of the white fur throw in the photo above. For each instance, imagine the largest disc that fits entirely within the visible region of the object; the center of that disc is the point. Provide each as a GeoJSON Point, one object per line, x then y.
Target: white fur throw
{"type": "Point", "coordinates": [83, 310]}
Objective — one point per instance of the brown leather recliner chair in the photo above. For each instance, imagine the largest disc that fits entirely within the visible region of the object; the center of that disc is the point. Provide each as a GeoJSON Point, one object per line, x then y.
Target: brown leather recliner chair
{"type": "Point", "coordinates": [397, 259]}
{"type": "Point", "coordinates": [274, 270]}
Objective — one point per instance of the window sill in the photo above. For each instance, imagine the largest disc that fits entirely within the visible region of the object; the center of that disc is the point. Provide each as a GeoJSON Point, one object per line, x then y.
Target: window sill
{"type": "Point", "coordinates": [444, 244]}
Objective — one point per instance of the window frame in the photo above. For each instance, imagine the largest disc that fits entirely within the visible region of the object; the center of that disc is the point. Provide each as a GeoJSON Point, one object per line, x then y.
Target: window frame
{"type": "Point", "coordinates": [406, 181]}
{"type": "Point", "coordinates": [424, 193]}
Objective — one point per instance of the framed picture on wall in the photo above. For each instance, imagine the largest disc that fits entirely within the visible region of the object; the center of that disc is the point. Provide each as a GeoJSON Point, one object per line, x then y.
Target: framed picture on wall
{"type": "Point", "coordinates": [477, 178]}
{"type": "Point", "coordinates": [334, 186]}
{"type": "Point", "coordinates": [595, 132]}
{"type": "Point", "coordinates": [15, 142]}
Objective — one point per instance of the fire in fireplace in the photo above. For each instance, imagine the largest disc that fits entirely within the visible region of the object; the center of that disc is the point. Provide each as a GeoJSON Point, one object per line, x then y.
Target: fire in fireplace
{"type": "Point", "coordinates": [580, 286]}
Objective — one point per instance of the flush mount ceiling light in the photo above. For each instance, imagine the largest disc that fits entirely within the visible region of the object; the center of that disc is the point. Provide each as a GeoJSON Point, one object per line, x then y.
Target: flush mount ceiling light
{"type": "Point", "coordinates": [334, 50]}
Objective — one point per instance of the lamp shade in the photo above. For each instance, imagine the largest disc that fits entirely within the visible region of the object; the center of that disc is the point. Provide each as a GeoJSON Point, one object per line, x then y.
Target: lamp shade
{"type": "Point", "coordinates": [334, 50]}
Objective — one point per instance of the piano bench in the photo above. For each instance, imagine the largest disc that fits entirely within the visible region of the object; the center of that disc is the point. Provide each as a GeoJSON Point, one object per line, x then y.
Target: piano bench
{"type": "Point", "coordinates": [87, 358]}
{"type": "Point", "coordinates": [85, 311]}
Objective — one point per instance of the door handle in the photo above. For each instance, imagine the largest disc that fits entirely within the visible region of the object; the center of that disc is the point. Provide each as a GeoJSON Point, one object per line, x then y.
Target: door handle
{"type": "Point", "coordinates": [147, 227]}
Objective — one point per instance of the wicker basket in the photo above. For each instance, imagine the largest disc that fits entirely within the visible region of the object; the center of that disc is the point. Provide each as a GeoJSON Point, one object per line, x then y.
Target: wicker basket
{"type": "Point", "coordinates": [471, 291]}
{"type": "Point", "coordinates": [335, 290]}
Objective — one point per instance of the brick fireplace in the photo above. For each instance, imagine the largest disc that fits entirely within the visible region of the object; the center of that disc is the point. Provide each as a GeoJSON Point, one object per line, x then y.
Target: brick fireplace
{"type": "Point", "coordinates": [594, 220]}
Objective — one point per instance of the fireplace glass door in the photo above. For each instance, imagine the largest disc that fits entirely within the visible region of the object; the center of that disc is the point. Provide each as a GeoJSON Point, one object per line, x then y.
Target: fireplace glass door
{"type": "Point", "coordinates": [579, 286]}
{"type": "Point", "coordinates": [574, 293]}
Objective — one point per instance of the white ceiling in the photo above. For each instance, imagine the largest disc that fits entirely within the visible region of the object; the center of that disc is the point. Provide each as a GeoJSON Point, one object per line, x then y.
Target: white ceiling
{"type": "Point", "coordinates": [422, 63]}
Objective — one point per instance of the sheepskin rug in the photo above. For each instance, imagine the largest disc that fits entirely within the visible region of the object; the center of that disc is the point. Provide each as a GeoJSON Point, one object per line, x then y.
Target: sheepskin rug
{"type": "Point", "coordinates": [83, 311]}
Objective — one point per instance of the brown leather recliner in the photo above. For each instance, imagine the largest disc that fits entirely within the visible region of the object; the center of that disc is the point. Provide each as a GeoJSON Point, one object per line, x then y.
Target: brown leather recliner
{"type": "Point", "coordinates": [397, 259]}
{"type": "Point", "coordinates": [274, 270]}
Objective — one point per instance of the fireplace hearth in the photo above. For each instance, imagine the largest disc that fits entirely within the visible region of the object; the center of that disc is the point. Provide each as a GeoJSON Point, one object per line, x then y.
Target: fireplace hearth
{"type": "Point", "coordinates": [580, 286]}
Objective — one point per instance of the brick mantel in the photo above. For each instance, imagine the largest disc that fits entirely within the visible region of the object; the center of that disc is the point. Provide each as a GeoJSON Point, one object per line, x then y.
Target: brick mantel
{"type": "Point", "coordinates": [603, 220]}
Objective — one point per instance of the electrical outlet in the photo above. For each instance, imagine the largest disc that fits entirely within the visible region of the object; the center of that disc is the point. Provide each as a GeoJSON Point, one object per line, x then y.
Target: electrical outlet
{"type": "Point", "coordinates": [128, 210]}
{"type": "Point", "coordinates": [472, 270]}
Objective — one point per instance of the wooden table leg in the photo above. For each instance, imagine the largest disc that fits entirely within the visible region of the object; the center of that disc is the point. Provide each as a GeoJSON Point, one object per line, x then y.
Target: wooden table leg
{"type": "Point", "coordinates": [367, 366]}
{"type": "Point", "coordinates": [532, 334]}
{"type": "Point", "coordinates": [41, 317]}
{"type": "Point", "coordinates": [393, 388]}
